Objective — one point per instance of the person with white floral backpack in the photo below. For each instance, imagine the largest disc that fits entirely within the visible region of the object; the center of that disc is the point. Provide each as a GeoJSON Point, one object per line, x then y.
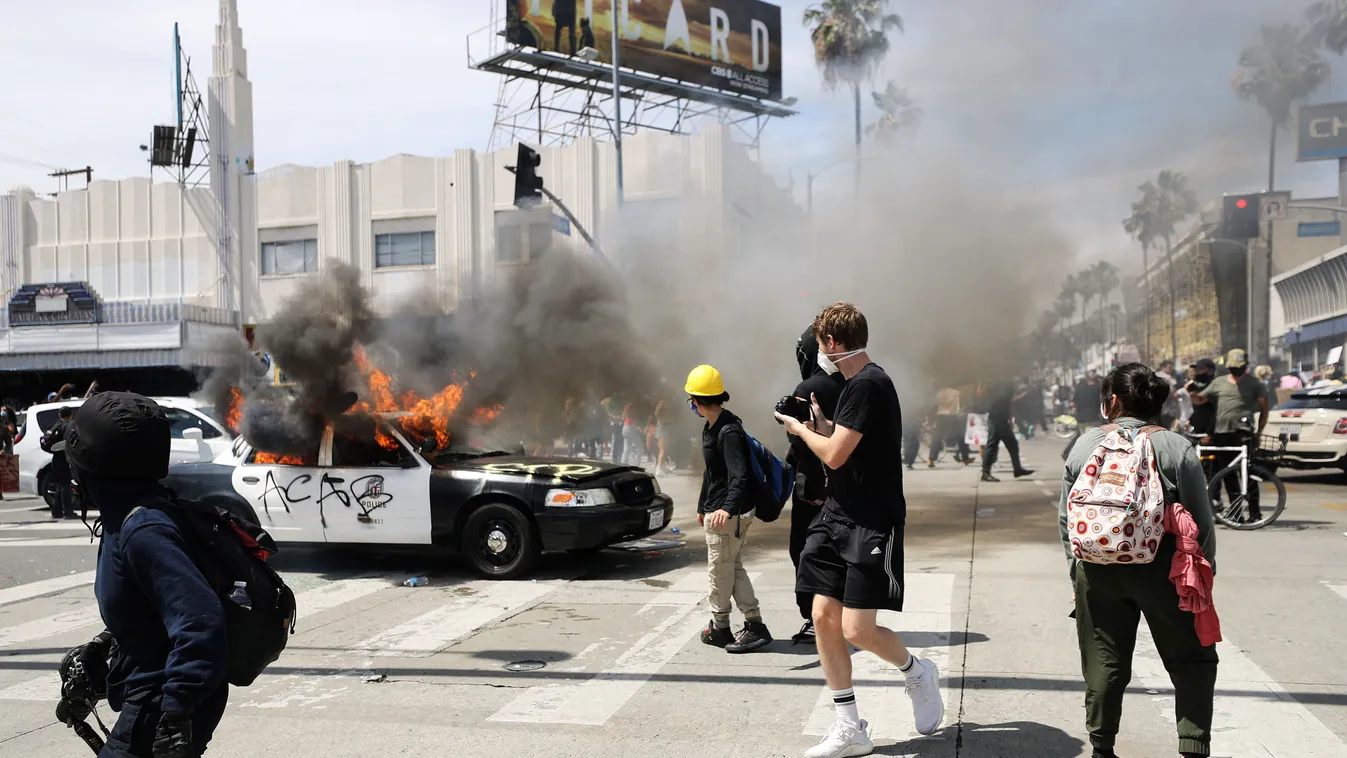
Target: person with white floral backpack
{"type": "Point", "coordinates": [1121, 526]}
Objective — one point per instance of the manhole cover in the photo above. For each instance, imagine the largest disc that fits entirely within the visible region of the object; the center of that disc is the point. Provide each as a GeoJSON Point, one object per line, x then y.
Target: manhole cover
{"type": "Point", "coordinates": [524, 665]}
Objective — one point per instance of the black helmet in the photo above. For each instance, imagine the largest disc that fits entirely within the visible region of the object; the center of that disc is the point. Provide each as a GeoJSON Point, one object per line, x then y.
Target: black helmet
{"type": "Point", "coordinates": [806, 353]}
{"type": "Point", "coordinates": [119, 435]}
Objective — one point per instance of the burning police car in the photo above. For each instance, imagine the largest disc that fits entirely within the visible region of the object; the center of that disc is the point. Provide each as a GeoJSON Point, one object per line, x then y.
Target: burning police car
{"type": "Point", "coordinates": [497, 509]}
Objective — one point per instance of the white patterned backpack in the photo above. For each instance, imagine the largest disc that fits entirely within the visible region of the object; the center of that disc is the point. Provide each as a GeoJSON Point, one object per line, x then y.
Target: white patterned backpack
{"type": "Point", "coordinates": [1116, 509]}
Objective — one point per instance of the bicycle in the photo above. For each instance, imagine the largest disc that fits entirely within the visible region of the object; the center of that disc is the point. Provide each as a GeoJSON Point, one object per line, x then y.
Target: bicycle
{"type": "Point", "coordinates": [1064, 426]}
{"type": "Point", "coordinates": [1256, 469]}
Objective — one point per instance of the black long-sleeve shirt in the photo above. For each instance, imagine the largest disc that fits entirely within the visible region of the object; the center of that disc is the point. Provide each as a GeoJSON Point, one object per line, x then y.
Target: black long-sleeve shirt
{"type": "Point", "coordinates": [726, 480]}
{"type": "Point", "coordinates": [811, 482]}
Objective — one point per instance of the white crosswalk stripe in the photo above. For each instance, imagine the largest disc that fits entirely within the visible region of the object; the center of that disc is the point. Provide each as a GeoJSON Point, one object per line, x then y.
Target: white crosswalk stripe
{"type": "Point", "coordinates": [657, 633]}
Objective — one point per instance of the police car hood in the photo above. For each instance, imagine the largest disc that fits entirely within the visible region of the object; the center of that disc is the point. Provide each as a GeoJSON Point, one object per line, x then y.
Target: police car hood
{"type": "Point", "coordinates": [563, 469]}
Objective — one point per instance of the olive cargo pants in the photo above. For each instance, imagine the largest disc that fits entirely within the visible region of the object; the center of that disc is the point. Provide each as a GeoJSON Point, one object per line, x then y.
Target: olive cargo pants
{"type": "Point", "coordinates": [1110, 601]}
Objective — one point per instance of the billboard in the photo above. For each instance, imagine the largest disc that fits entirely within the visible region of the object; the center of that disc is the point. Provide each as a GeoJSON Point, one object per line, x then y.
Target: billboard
{"type": "Point", "coordinates": [1322, 132]}
{"type": "Point", "coordinates": [731, 45]}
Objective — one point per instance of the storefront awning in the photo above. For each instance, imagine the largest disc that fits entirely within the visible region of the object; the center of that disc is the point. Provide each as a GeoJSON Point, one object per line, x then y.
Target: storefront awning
{"type": "Point", "coordinates": [107, 359]}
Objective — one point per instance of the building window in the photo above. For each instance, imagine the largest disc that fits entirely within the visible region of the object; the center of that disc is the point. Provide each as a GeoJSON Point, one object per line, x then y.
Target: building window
{"type": "Point", "coordinates": [293, 257]}
{"type": "Point", "coordinates": [404, 249]}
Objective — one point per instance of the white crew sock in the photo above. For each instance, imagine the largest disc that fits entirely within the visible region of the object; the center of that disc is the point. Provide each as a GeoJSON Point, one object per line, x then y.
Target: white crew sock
{"type": "Point", "coordinates": [910, 669]}
{"type": "Point", "coordinates": [845, 703]}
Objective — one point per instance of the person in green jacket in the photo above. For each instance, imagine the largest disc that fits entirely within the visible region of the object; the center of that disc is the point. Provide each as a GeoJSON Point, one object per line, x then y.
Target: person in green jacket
{"type": "Point", "coordinates": [1111, 599]}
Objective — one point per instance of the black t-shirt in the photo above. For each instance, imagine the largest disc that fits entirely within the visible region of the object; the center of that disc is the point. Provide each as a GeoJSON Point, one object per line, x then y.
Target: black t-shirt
{"type": "Point", "coordinates": [868, 488]}
{"type": "Point", "coordinates": [1087, 403]}
{"type": "Point", "coordinates": [1000, 399]}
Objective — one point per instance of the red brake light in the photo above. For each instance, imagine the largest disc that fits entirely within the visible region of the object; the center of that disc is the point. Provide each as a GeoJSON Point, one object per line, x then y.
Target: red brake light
{"type": "Point", "coordinates": [1340, 427]}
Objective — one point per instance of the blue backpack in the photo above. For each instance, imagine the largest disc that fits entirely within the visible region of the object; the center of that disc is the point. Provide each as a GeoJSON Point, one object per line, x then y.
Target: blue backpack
{"type": "Point", "coordinates": [773, 479]}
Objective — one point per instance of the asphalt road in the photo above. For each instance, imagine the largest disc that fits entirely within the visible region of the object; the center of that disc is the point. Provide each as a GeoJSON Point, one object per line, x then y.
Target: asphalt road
{"type": "Point", "coordinates": [379, 669]}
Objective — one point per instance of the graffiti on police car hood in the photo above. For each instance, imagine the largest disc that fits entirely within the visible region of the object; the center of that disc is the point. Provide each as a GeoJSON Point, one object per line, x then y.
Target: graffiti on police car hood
{"type": "Point", "coordinates": [557, 470]}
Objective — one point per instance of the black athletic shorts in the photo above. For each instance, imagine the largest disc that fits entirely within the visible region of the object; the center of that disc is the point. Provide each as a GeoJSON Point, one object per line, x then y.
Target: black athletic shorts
{"type": "Point", "coordinates": [860, 566]}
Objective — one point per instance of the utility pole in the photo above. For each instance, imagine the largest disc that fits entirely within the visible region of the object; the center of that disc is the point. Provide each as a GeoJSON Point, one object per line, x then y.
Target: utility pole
{"type": "Point", "coordinates": [617, 96]}
{"type": "Point", "coordinates": [62, 177]}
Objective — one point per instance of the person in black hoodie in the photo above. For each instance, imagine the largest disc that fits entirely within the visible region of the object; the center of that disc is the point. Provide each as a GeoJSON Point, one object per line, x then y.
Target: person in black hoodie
{"type": "Point", "coordinates": [811, 482]}
{"type": "Point", "coordinates": [58, 475]}
{"type": "Point", "coordinates": [168, 682]}
{"type": "Point", "coordinates": [724, 508]}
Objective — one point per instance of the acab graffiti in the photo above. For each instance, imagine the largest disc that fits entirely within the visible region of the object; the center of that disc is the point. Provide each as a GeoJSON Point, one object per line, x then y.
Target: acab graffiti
{"type": "Point", "coordinates": [366, 492]}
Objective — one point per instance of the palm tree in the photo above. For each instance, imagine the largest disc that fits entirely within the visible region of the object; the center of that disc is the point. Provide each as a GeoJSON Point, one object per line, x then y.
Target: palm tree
{"type": "Point", "coordinates": [1285, 68]}
{"type": "Point", "coordinates": [1173, 201]}
{"type": "Point", "coordinates": [1064, 307]}
{"type": "Point", "coordinates": [1140, 226]}
{"type": "Point", "coordinates": [898, 112]}
{"type": "Point", "coordinates": [1328, 24]}
{"type": "Point", "coordinates": [1104, 276]}
{"type": "Point", "coordinates": [850, 41]}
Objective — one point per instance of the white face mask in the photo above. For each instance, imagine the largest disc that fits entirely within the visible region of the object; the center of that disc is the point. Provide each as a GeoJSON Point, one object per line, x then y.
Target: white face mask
{"type": "Point", "coordinates": [828, 363]}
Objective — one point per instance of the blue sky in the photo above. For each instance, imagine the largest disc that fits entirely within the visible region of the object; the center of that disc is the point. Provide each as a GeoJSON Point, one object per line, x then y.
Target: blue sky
{"type": "Point", "coordinates": [1064, 105]}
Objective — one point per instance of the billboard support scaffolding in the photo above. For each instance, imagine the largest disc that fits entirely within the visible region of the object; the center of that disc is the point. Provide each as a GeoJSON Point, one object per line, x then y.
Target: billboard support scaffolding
{"type": "Point", "coordinates": [551, 98]}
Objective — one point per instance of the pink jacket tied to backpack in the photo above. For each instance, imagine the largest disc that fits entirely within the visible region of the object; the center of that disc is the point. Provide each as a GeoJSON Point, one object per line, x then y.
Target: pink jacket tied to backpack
{"type": "Point", "coordinates": [1192, 574]}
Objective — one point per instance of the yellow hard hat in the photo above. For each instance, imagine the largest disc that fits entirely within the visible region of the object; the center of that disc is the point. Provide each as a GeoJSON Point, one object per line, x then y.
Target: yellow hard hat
{"type": "Point", "coordinates": [705, 381]}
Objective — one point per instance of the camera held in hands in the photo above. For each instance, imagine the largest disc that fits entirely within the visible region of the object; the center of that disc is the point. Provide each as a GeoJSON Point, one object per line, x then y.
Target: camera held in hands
{"type": "Point", "coordinates": [796, 408]}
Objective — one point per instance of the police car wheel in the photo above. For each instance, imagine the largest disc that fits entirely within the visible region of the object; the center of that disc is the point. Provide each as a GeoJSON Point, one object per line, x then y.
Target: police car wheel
{"type": "Point", "coordinates": [43, 488]}
{"type": "Point", "coordinates": [499, 541]}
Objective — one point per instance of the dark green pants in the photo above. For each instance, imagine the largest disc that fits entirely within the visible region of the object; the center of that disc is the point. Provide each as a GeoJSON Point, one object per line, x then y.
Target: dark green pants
{"type": "Point", "coordinates": [1110, 601]}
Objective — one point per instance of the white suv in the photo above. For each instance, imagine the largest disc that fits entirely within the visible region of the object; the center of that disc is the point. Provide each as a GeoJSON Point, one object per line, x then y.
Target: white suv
{"type": "Point", "coordinates": [1314, 425]}
{"type": "Point", "coordinates": [196, 437]}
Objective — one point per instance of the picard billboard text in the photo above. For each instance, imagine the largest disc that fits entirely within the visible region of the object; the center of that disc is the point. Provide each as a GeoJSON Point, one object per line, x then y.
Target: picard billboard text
{"type": "Point", "coordinates": [731, 45]}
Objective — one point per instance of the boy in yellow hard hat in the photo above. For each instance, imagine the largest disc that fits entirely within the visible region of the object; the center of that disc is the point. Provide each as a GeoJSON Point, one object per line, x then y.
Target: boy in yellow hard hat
{"type": "Point", "coordinates": [724, 509]}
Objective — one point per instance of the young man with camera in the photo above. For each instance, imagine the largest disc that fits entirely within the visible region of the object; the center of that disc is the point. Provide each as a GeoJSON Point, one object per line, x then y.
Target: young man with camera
{"type": "Point", "coordinates": [726, 512]}
{"type": "Point", "coordinates": [811, 482]}
{"type": "Point", "coordinates": [853, 558]}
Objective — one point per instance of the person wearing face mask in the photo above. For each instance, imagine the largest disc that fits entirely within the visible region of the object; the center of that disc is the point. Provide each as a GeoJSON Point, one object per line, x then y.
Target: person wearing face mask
{"type": "Point", "coordinates": [1238, 397]}
{"type": "Point", "coordinates": [724, 509]}
{"type": "Point", "coordinates": [1111, 599]}
{"type": "Point", "coordinates": [811, 481]}
{"type": "Point", "coordinates": [852, 560]}
{"type": "Point", "coordinates": [1202, 420]}
{"type": "Point", "coordinates": [169, 681]}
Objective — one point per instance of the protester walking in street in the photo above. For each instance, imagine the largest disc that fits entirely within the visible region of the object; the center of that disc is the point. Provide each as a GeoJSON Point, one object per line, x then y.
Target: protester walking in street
{"type": "Point", "coordinates": [912, 429]}
{"type": "Point", "coordinates": [1238, 397]}
{"type": "Point", "coordinates": [853, 558]}
{"type": "Point", "coordinates": [1085, 408]}
{"type": "Point", "coordinates": [1001, 400]}
{"type": "Point", "coordinates": [660, 416]}
{"type": "Point", "coordinates": [1170, 413]}
{"type": "Point", "coordinates": [168, 682]}
{"type": "Point", "coordinates": [724, 509]}
{"type": "Point", "coordinates": [949, 427]}
{"type": "Point", "coordinates": [58, 473]}
{"type": "Point", "coordinates": [1112, 596]}
{"type": "Point", "coordinates": [811, 482]}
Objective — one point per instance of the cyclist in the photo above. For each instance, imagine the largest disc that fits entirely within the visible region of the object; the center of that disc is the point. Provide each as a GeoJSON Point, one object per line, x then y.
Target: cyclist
{"type": "Point", "coordinates": [1237, 396]}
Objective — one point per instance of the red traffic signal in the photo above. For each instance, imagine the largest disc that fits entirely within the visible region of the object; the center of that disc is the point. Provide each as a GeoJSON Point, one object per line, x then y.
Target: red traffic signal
{"type": "Point", "coordinates": [1239, 217]}
{"type": "Point", "coordinates": [1242, 203]}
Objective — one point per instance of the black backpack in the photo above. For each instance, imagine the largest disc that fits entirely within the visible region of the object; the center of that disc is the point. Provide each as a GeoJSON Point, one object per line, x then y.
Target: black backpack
{"type": "Point", "coordinates": [232, 550]}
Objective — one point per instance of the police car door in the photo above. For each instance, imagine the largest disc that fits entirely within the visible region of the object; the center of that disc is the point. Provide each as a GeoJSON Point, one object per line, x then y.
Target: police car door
{"type": "Point", "coordinates": [283, 491]}
{"type": "Point", "coordinates": [382, 486]}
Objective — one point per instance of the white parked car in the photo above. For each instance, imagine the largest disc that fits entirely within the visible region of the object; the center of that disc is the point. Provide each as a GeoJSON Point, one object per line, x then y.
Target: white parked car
{"type": "Point", "coordinates": [1314, 425]}
{"type": "Point", "coordinates": [196, 437]}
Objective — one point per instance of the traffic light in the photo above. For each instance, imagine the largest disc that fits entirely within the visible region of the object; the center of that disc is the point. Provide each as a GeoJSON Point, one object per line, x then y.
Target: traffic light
{"type": "Point", "coordinates": [527, 183]}
{"type": "Point", "coordinates": [1240, 216]}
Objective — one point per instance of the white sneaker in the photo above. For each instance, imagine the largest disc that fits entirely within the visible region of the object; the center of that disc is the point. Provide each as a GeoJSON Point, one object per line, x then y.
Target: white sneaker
{"type": "Point", "coordinates": [928, 709]}
{"type": "Point", "coordinates": [843, 739]}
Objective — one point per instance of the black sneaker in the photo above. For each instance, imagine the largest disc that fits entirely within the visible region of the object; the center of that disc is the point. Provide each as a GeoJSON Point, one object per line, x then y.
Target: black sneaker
{"type": "Point", "coordinates": [805, 636]}
{"type": "Point", "coordinates": [987, 477]}
{"type": "Point", "coordinates": [720, 636]}
{"type": "Point", "coordinates": [1098, 753]}
{"type": "Point", "coordinates": [1024, 472]}
{"type": "Point", "coordinates": [753, 636]}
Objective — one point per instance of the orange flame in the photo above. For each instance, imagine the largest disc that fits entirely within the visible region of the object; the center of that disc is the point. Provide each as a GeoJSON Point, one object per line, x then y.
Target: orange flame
{"type": "Point", "coordinates": [235, 415]}
{"type": "Point", "coordinates": [276, 458]}
{"type": "Point", "coordinates": [426, 417]}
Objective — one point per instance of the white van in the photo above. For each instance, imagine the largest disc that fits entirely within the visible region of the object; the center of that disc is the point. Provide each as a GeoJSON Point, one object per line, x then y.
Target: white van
{"type": "Point", "coordinates": [196, 437]}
